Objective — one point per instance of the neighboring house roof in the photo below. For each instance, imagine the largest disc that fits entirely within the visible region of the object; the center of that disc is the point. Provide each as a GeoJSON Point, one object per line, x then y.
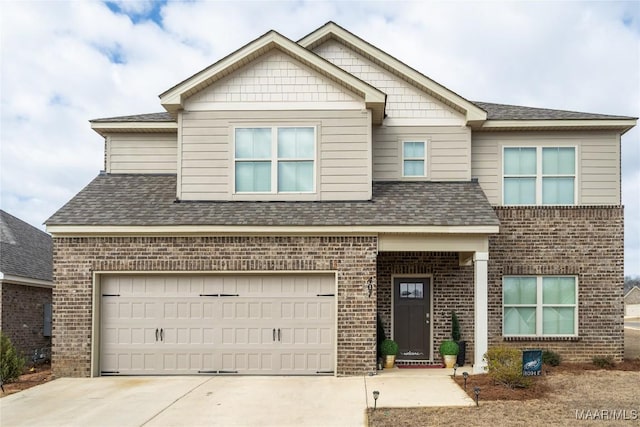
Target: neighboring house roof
{"type": "Point", "coordinates": [150, 200]}
{"type": "Point", "coordinates": [633, 296]}
{"type": "Point", "coordinates": [25, 251]}
{"type": "Point", "coordinates": [174, 98]}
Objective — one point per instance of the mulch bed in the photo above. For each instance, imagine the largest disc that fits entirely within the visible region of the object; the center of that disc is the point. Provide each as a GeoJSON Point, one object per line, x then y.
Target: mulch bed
{"type": "Point", "coordinates": [31, 378]}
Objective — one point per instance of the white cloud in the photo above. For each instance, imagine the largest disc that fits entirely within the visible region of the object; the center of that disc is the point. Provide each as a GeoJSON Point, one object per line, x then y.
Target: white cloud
{"type": "Point", "coordinates": [64, 63]}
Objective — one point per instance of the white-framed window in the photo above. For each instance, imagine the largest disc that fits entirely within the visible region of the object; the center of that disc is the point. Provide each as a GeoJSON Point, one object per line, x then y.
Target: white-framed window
{"type": "Point", "coordinates": [414, 158]}
{"type": "Point", "coordinates": [539, 175]}
{"type": "Point", "coordinates": [540, 306]}
{"type": "Point", "coordinates": [274, 159]}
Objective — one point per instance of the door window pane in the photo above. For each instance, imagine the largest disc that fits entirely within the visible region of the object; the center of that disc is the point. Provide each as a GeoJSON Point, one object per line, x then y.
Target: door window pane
{"type": "Point", "coordinates": [411, 290]}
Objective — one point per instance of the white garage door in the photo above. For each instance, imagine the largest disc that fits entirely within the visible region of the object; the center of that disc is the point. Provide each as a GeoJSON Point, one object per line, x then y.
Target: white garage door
{"type": "Point", "coordinates": [243, 324]}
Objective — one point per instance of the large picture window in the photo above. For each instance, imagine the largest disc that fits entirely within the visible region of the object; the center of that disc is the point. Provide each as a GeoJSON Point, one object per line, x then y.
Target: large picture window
{"type": "Point", "coordinates": [274, 159]}
{"type": "Point", "coordinates": [539, 175]}
{"type": "Point", "coordinates": [539, 305]}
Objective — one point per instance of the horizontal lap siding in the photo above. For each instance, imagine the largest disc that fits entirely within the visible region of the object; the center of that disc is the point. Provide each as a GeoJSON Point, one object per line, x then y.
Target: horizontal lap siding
{"type": "Point", "coordinates": [598, 161]}
{"type": "Point", "coordinates": [448, 151]}
{"type": "Point", "coordinates": [142, 153]}
{"type": "Point", "coordinates": [343, 158]}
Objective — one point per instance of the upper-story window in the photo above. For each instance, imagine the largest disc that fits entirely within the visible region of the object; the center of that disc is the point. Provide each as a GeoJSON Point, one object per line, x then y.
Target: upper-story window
{"type": "Point", "coordinates": [274, 159]}
{"type": "Point", "coordinates": [414, 158]}
{"type": "Point", "coordinates": [539, 175]}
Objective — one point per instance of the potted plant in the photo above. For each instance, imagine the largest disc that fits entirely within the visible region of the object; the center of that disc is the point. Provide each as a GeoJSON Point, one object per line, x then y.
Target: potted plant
{"type": "Point", "coordinates": [455, 335]}
{"type": "Point", "coordinates": [389, 349]}
{"type": "Point", "coordinates": [449, 351]}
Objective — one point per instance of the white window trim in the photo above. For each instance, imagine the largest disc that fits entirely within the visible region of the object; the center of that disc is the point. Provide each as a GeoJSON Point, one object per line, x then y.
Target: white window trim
{"type": "Point", "coordinates": [539, 175]}
{"type": "Point", "coordinates": [274, 159]}
{"type": "Point", "coordinates": [424, 159]}
{"type": "Point", "coordinates": [539, 306]}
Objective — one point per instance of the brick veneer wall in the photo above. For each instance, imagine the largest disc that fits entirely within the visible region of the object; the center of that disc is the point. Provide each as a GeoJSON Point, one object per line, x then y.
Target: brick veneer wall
{"type": "Point", "coordinates": [453, 289]}
{"type": "Point", "coordinates": [23, 316]}
{"type": "Point", "coordinates": [586, 241]}
{"type": "Point", "coordinates": [75, 260]}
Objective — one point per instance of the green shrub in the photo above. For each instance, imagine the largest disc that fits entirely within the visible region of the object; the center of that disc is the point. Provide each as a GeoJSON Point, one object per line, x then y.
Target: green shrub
{"type": "Point", "coordinates": [11, 363]}
{"type": "Point", "coordinates": [505, 367]}
{"type": "Point", "coordinates": [551, 358]}
{"type": "Point", "coordinates": [455, 327]}
{"type": "Point", "coordinates": [389, 348]}
{"type": "Point", "coordinates": [449, 348]}
{"type": "Point", "coordinates": [604, 362]}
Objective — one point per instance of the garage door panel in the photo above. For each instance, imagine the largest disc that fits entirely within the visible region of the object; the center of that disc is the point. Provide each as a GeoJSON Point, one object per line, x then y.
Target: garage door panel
{"type": "Point", "coordinates": [272, 324]}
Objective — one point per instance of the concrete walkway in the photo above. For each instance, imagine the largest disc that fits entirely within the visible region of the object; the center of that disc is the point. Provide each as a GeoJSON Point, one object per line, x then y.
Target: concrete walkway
{"type": "Point", "coordinates": [226, 400]}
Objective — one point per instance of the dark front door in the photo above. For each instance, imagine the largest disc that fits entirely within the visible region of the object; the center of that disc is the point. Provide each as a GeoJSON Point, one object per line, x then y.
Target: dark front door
{"type": "Point", "coordinates": [412, 317]}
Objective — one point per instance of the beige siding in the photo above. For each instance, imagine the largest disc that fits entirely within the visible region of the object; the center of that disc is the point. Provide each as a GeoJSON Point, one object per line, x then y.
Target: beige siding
{"type": "Point", "coordinates": [274, 80]}
{"type": "Point", "coordinates": [343, 155]}
{"type": "Point", "coordinates": [598, 163]}
{"type": "Point", "coordinates": [141, 153]}
{"type": "Point", "coordinates": [404, 101]}
{"type": "Point", "coordinates": [448, 152]}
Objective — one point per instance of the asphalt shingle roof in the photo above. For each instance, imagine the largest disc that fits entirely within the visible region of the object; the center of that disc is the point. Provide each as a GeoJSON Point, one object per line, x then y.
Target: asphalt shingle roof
{"type": "Point", "coordinates": [516, 112]}
{"type": "Point", "coordinates": [149, 117]}
{"type": "Point", "coordinates": [25, 251]}
{"type": "Point", "coordinates": [151, 200]}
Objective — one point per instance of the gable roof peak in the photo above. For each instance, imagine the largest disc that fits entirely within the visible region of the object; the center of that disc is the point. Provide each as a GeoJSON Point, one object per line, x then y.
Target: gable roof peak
{"type": "Point", "coordinates": [173, 99]}
{"type": "Point", "coordinates": [475, 115]}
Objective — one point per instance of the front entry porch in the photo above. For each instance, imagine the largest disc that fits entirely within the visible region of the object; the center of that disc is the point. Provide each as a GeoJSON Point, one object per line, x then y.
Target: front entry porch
{"type": "Point", "coordinates": [417, 291]}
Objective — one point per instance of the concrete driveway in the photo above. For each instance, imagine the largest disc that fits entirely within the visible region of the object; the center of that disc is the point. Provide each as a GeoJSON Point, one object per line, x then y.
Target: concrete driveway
{"type": "Point", "coordinates": [225, 401]}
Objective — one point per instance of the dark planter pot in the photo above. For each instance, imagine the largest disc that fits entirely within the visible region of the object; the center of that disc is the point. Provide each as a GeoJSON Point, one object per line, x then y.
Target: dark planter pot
{"type": "Point", "coordinates": [462, 353]}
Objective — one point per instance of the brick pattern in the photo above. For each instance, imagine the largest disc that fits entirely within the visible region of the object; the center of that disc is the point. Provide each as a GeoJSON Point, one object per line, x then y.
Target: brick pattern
{"type": "Point", "coordinates": [585, 241]}
{"type": "Point", "coordinates": [275, 77]}
{"type": "Point", "coordinates": [403, 100]}
{"type": "Point", "coordinates": [453, 289]}
{"type": "Point", "coordinates": [22, 318]}
{"type": "Point", "coordinates": [76, 259]}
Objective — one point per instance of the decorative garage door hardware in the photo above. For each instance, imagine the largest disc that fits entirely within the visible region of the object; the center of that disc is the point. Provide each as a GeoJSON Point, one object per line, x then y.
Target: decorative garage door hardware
{"type": "Point", "coordinates": [161, 334]}
{"type": "Point", "coordinates": [219, 295]}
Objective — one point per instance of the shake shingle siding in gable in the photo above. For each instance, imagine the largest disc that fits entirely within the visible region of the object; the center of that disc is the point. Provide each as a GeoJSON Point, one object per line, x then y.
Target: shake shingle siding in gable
{"type": "Point", "coordinates": [403, 99]}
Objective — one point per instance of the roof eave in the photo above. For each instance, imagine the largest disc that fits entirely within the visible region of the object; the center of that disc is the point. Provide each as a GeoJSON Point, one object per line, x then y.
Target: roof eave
{"type": "Point", "coordinates": [186, 230]}
{"type": "Point", "coordinates": [474, 114]}
{"type": "Point", "coordinates": [622, 125]}
{"type": "Point", "coordinates": [104, 128]}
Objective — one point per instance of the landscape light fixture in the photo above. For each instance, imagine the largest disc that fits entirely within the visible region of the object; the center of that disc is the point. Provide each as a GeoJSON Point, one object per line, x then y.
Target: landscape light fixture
{"type": "Point", "coordinates": [376, 394]}
{"type": "Point", "coordinates": [455, 368]}
{"type": "Point", "coordinates": [476, 390]}
{"type": "Point", "coordinates": [465, 375]}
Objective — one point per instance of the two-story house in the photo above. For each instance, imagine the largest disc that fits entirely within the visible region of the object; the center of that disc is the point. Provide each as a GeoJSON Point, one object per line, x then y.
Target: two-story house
{"type": "Point", "coordinates": [292, 191]}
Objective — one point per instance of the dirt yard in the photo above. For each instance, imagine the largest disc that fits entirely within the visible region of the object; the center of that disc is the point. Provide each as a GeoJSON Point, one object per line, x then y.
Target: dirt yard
{"type": "Point", "coordinates": [571, 394]}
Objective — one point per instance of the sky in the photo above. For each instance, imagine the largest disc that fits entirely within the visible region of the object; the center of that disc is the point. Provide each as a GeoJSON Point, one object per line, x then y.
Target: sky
{"type": "Point", "coordinates": [63, 63]}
